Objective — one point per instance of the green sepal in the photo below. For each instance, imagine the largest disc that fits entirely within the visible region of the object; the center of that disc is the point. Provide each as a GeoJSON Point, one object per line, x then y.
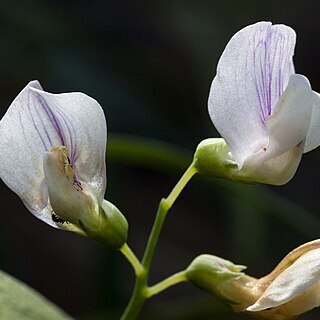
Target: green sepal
{"type": "Point", "coordinates": [213, 158]}
{"type": "Point", "coordinates": [213, 274]}
{"type": "Point", "coordinates": [110, 228]}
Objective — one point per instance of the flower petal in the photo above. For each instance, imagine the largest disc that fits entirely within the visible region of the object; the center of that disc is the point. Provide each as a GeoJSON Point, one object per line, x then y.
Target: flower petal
{"type": "Point", "coordinates": [290, 121]}
{"type": "Point", "coordinates": [35, 122]}
{"type": "Point", "coordinates": [276, 171]}
{"type": "Point", "coordinates": [84, 132]}
{"type": "Point", "coordinates": [277, 161]}
{"type": "Point", "coordinates": [313, 136]}
{"type": "Point", "coordinates": [252, 74]}
{"type": "Point", "coordinates": [297, 279]}
{"type": "Point", "coordinates": [289, 124]}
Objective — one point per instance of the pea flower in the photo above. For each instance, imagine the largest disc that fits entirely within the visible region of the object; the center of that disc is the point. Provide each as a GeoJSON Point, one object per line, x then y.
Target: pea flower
{"type": "Point", "coordinates": [52, 154]}
{"type": "Point", "coordinates": [268, 115]}
{"type": "Point", "coordinates": [290, 290]}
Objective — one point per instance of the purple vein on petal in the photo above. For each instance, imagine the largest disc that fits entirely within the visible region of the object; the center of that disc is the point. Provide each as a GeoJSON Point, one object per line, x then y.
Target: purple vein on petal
{"type": "Point", "coordinates": [258, 76]}
{"type": "Point", "coordinates": [53, 119]}
{"type": "Point", "coordinates": [24, 130]}
{"type": "Point", "coordinates": [281, 75]}
{"type": "Point", "coordinates": [30, 104]}
{"type": "Point", "coordinates": [271, 56]}
{"type": "Point", "coordinates": [278, 82]}
{"type": "Point", "coordinates": [71, 143]}
{"type": "Point", "coordinates": [72, 134]}
{"type": "Point", "coordinates": [268, 70]}
{"type": "Point", "coordinates": [256, 82]}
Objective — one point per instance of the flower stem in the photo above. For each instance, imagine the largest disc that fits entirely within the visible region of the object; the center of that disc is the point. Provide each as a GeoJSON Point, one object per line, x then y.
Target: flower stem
{"type": "Point", "coordinates": [164, 206]}
{"type": "Point", "coordinates": [141, 292]}
{"type": "Point", "coordinates": [167, 283]}
{"type": "Point", "coordinates": [131, 257]}
{"type": "Point", "coordinates": [137, 299]}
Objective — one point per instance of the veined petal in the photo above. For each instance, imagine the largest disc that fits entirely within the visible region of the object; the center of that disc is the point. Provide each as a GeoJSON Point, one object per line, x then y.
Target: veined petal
{"type": "Point", "coordinates": [35, 122]}
{"type": "Point", "coordinates": [290, 121]}
{"type": "Point", "coordinates": [296, 280]}
{"type": "Point", "coordinates": [83, 126]}
{"type": "Point", "coordinates": [252, 74]}
{"type": "Point", "coordinates": [313, 135]}
{"type": "Point", "coordinates": [287, 128]}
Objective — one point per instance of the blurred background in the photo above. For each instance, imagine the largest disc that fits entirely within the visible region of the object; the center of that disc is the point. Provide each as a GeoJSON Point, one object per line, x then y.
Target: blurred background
{"type": "Point", "coordinates": [150, 65]}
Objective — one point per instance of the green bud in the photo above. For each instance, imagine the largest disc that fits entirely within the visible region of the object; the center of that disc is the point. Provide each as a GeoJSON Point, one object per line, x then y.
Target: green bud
{"type": "Point", "coordinates": [213, 158]}
{"type": "Point", "coordinates": [214, 275]}
{"type": "Point", "coordinates": [110, 227]}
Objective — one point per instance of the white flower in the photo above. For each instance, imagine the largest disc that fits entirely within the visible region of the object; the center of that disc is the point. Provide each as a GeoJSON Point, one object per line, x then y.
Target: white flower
{"type": "Point", "coordinates": [268, 115]}
{"type": "Point", "coordinates": [52, 154]}
{"type": "Point", "coordinates": [290, 290]}
{"type": "Point", "coordinates": [294, 286]}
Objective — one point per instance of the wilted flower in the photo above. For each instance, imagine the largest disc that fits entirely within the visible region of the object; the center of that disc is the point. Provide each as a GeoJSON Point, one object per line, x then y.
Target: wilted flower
{"type": "Point", "coordinates": [294, 286]}
{"type": "Point", "coordinates": [291, 289]}
{"type": "Point", "coordinates": [268, 115]}
{"type": "Point", "coordinates": [52, 154]}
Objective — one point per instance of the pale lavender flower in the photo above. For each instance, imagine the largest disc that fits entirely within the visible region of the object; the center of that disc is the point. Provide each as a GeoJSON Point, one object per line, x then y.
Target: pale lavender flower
{"type": "Point", "coordinates": [268, 115]}
{"type": "Point", "coordinates": [52, 149]}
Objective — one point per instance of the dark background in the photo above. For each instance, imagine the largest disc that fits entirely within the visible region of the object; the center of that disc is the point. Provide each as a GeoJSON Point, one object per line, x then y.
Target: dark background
{"type": "Point", "coordinates": [150, 65]}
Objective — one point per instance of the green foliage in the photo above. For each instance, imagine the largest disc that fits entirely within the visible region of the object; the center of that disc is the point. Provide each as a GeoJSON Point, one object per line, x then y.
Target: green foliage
{"type": "Point", "coordinates": [18, 301]}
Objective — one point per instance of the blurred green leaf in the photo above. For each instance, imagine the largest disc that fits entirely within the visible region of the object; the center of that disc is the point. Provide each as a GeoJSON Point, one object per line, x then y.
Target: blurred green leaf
{"type": "Point", "coordinates": [18, 301]}
{"type": "Point", "coordinates": [148, 153]}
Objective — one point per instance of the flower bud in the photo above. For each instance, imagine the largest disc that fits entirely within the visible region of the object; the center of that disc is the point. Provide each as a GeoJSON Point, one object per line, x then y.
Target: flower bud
{"type": "Point", "coordinates": [213, 158]}
{"type": "Point", "coordinates": [214, 275]}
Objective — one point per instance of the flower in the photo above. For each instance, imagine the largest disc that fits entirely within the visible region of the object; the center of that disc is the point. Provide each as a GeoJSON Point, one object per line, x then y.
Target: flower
{"type": "Point", "coordinates": [52, 154]}
{"type": "Point", "coordinates": [268, 115]}
{"type": "Point", "coordinates": [294, 285]}
{"type": "Point", "coordinates": [291, 289]}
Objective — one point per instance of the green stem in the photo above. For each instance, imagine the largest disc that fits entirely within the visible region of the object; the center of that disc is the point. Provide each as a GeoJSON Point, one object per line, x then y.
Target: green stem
{"type": "Point", "coordinates": [167, 283]}
{"type": "Point", "coordinates": [131, 257]}
{"type": "Point", "coordinates": [137, 299]}
{"type": "Point", "coordinates": [164, 206]}
{"type": "Point", "coordinates": [141, 291]}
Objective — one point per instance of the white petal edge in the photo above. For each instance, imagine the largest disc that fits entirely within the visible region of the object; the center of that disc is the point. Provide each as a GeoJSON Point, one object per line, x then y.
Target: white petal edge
{"type": "Point", "coordinates": [276, 171]}
{"type": "Point", "coordinates": [313, 135]}
{"type": "Point", "coordinates": [236, 99]}
{"type": "Point", "coordinates": [277, 161]}
{"type": "Point", "coordinates": [290, 122]}
{"type": "Point", "coordinates": [25, 138]}
{"type": "Point", "coordinates": [297, 279]}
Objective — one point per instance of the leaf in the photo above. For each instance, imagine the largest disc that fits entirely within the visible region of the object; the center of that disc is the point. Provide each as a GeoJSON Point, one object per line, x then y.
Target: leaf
{"type": "Point", "coordinates": [18, 301]}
